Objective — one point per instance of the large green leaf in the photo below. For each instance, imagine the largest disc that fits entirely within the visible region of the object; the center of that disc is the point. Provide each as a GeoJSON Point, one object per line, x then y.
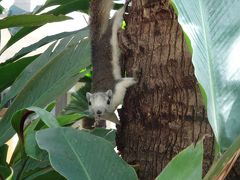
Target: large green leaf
{"type": "Point", "coordinates": [49, 3]}
{"type": "Point", "coordinates": [27, 74]}
{"type": "Point", "coordinates": [39, 44]}
{"type": "Point", "coordinates": [6, 172]}
{"type": "Point", "coordinates": [43, 174]}
{"type": "Point", "coordinates": [61, 10]}
{"type": "Point", "coordinates": [17, 121]}
{"type": "Point", "coordinates": [108, 134]}
{"type": "Point", "coordinates": [31, 147]}
{"type": "Point", "coordinates": [58, 74]}
{"type": "Point", "coordinates": [1, 9]}
{"type": "Point", "coordinates": [3, 155]}
{"type": "Point", "coordinates": [84, 155]}
{"type": "Point", "coordinates": [27, 166]}
{"type": "Point", "coordinates": [69, 119]}
{"type": "Point", "coordinates": [81, 5]}
{"type": "Point", "coordinates": [214, 30]}
{"type": "Point", "coordinates": [187, 165]}
{"type": "Point", "coordinates": [44, 115]}
{"type": "Point", "coordinates": [224, 162]}
{"type": "Point", "coordinates": [10, 72]}
{"type": "Point", "coordinates": [16, 37]}
{"type": "Point", "coordinates": [43, 60]}
{"type": "Point", "coordinates": [30, 20]}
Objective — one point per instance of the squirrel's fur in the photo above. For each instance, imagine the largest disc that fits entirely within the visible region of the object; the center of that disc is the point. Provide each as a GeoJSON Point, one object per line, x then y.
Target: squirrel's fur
{"type": "Point", "coordinates": [108, 86]}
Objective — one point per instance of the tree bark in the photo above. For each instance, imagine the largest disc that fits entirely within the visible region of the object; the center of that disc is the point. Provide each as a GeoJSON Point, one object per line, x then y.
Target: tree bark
{"type": "Point", "coordinates": [163, 113]}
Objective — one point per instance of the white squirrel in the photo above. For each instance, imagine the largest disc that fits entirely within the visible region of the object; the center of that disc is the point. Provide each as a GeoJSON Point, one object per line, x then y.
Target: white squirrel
{"type": "Point", "coordinates": [108, 86]}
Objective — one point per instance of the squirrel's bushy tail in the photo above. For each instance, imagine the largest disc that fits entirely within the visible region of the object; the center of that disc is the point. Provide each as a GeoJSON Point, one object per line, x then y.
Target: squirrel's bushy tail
{"type": "Point", "coordinates": [99, 16]}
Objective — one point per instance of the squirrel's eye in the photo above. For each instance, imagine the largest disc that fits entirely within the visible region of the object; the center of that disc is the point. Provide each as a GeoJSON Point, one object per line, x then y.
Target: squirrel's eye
{"type": "Point", "coordinates": [89, 103]}
{"type": "Point", "coordinates": [108, 102]}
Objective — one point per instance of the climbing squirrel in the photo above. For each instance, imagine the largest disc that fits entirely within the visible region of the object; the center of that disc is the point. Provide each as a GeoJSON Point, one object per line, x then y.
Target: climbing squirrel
{"type": "Point", "coordinates": [108, 86]}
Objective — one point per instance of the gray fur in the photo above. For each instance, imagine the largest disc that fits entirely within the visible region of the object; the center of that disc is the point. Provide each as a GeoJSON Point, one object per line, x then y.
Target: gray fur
{"type": "Point", "coordinates": [107, 85]}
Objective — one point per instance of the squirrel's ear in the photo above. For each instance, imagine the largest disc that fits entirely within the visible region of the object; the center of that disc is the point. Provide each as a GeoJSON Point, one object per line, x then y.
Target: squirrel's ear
{"type": "Point", "coordinates": [88, 95]}
{"type": "Point", "coordinates": [109, 93]}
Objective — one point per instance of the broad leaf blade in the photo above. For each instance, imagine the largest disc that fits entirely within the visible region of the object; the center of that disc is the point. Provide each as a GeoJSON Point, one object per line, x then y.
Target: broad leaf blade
{"type": "Point", "coordinates": [213, 28]}
{"type": "Point", "coordinates": [69, 119]}
{"type": "Point", "coordinates": [27, 74]}
{"type": "Point", "coordinates": [46, 117]}
{"type": "Point", "coordinates": [40, 43]}
{"type": "Point", "coordinates": [26, 30]}
{"type": "Point", "coordinates": [223, 164]}
{"type": "Point", "coordinates": [31, 147]}
{"type": "Point", "coordinates": [30, 20]}
{"type": "Point", "coordinates": [20, 116]}
{"type": "Point", "coordinates": [6, 172]}
{"type": "Point", "coordinates": [108, 134]}
{"type": "Point", "coordinates": [51, 80]}
{"type": "Point", "coordinates": [84, 155]}
{"type": "Point", "coordinates": [72, 6]}
{"type": "Point", "coordinates": [19, 35]}
{"type": "Point", "coordinates": [9, 72]}
{"type": "Point", "coordinates": [187, 165]}
{"type": "Point", "coordinates": [1, 9]}
{"type": "Point", "coordinates": [3, 153]}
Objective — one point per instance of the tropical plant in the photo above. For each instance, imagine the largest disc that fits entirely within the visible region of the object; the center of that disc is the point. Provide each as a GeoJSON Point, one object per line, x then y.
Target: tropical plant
{"type": "Point", "coordinates": [49, 148]}
{"type": "Point", "coordinates": [42, 78]}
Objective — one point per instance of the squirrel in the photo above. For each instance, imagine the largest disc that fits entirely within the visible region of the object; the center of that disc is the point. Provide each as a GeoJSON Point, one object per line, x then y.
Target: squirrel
{"type": "Point", "coordinates": [108, 86]}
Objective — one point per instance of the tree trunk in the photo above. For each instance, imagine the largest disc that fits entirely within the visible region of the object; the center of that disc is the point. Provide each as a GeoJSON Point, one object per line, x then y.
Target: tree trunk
{"type": "Point", "coordinates": [163, 113]}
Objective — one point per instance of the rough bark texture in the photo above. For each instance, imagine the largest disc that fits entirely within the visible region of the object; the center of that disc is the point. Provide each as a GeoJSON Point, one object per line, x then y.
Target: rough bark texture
{"type": "Point", "coordinates": [163, 113]}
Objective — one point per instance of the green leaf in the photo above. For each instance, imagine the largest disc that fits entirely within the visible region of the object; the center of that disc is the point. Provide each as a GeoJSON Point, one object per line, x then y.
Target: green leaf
{"type": "Point", "coordinates": [44, 174]}
{"type": "Point", "coordinates": [6, 172]}
{"type": "Point", "coordinates": [31, 147]}
{"type": "Point", "coordinates": [19, 35]}
{"type": "Point", "coordinates": [7, 78]}
{"type": "Point", "coordinates": [29, 129]}
{"type": "Point", "coordinates": [108, 134]}
{"type": "Point", "coordinates": [72, 6]}
{"type": "Point", "coordinates": [27, 166]}
{"type": "Point", "coordinates": [30, 20]}
{"type": "Point", "coordinates": [20, 116]}
{"type": "Point", "coordinates": [218, 166]}
{"type": "Point", "coordinates": [1, 9]}
{"type": "Point", "coordinates": [58, 74]}
{"type": "Point", "coordinates": [45, 116]}
{"type": "Point", "coordinates": [27, 74]}
{"type": "Point", "coordinates": [39, 44]}
{"type": "Point", "coordinates": [84, 155]}
{"type": "Point", "coordinates": [213, 28]}
{"type": "Point", "coordinates": [69, 119]}
{"type": "Point", "coordinates": [3, 155]}
{"type": "Point", "coordinates": [187, 165]}
{"type": "Point", "coordinates": [26, 30]}
{"type": "Point", "coordinates": [49, 3]}
{"type": "Point", "coordinates": [44, 59]}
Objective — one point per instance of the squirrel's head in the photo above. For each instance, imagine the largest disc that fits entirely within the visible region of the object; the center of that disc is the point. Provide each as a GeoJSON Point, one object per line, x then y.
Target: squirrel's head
{"type": "Point", "coordinates": [99, 103]}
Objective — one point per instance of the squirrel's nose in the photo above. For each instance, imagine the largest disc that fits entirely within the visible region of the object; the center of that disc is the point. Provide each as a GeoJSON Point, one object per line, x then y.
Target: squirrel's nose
{"type": "Point", "coordinates": [99, 112]}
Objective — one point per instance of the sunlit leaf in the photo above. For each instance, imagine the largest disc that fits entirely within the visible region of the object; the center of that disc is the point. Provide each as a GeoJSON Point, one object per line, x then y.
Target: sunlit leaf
{"type": "Point", "coordinates": [213, 28]}
{"type": "Point", "coordinates": [30, 20]}
{"type": "Point", "coordinates": [187, 165]}
{"type": "Point", "coordinates": [84, 155]}
{"type": "Point", "coordinates": [58, 74]}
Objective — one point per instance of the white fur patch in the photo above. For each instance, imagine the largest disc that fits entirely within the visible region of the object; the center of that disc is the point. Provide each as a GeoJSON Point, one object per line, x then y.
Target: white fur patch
{"type": "Point", "coordinates": [120, 90]}
{"type": "Point", "coordinates": [99, 103]}
{"type": "Point", "coordinates": [118, 17]}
